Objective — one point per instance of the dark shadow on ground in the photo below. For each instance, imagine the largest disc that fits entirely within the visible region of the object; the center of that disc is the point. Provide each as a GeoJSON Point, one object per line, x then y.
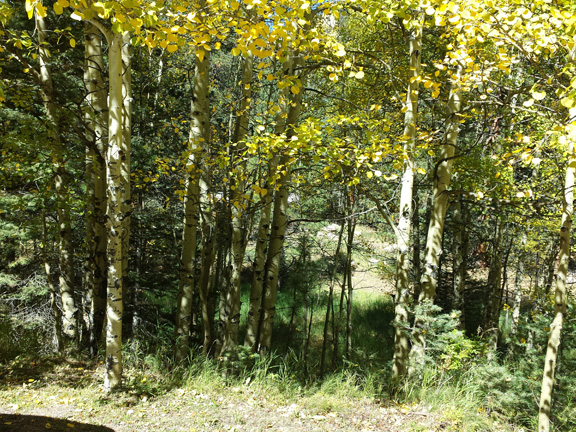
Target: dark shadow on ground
{"type": "Point", "coordinates": [31, 423]}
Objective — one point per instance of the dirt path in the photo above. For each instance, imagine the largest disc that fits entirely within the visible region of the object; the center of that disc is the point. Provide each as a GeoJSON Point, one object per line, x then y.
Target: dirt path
{"type": "Point", "coordinates": [189, 412]}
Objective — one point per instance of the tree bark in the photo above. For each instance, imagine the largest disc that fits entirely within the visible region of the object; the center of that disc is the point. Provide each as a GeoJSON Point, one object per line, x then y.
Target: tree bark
{"type": "Point", "coordinates": [279, 221]}
{"type": "Point", "coordinates": [263, 239]}
{"type": "Point", "coordinates": [126, 206]}
{"type": "Point", "coordinates": [238, 205]}
{"type": "Point", "coordinates": [114, 307]}
{"type": "Point", "coordinates": [561, 294]}
{"type": "Point", "coordinates": [66, 251]}
{"type": "Point", "coordinates": [401, 340]}
{"type": "Point", "coordinates": [441, 176]}
{"type": "Point", "coordinates": [459, 253]}
{"type": "Point", "coordinates": [518, 285]}
{"type": "Point", "coordinates": [494, 294]}
{"type": "Point", "coordinates": [51, 287]}
{"type": "Point", "coordinates": [199, 139]}
{"type": "Point", "coordinates": [96, 118]}
{"type": "Point", "coordinates": [330, 305]}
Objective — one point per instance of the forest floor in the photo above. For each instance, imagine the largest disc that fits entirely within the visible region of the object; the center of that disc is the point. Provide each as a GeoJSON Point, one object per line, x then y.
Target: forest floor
{"type": "Point", "coordinates": [60, 395]}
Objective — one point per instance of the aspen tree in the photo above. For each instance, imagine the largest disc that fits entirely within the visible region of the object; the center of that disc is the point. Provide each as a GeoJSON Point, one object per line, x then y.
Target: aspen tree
{"type": "Point", "coordinates": [460, 241]}
{"type": "Point", "coordinates": [401, 341]}
{"type": "Point", "coordinates": [440, 201]}
{"type": "Point", "coordinates": [280, 218]}
{"type": "Point", "coordinates": [561, 293]}
{"type": "Point", "coordinates": [207, 219]}
{"type": "Point", "coordinates": [521, 256]}
{"type": "Point", "coordinates": [263, 236]}
{"type": "Point", "coordinates": [114, 306]}
{"type": "Point", "coordinates": [51, 287]}
{"type": "Point", "coordinates": [237, 208]}
{"type": "Point", "coordinates": [198, 141]}
{"type": "Point", "coordinates": [126, 206]}
{"type": "Point", "coordinates": [96, 118]}
{"type": "Point", "coordinates": [66, 278]}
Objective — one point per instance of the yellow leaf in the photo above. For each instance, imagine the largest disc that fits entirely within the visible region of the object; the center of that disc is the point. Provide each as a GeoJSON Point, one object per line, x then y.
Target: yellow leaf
{"type": "Point", "coordinates": [360, 74]}
{"type": "Point", "coordinates": [235, 51]}
{"type": "Point", "coordinates": [41, 10]}
{"type": "Point", "coordinates": [58, 8]}
{"type": "Point", "coordinates": [29, 8]}
{"type": "Point", "coordinates": [421, 170]}
{"type": "Point", "coordinates": [528, 103]}
{"type": "Point", "coordinates": [539, 95]}
{"type": "Point", "coordinates": [567, 102]}
{"type": "Point", "coordinates": [295, 89]}
{"type": "Point", "coordinates": [72, 41]}
{"type": "Point", "coordinates": [172, 48]}
{"type": "Point", "coordinates": [200, 54]}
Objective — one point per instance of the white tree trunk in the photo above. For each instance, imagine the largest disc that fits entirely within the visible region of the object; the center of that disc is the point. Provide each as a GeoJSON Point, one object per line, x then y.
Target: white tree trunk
{"type": "Point", "coordinates": [279, 223]}
{"type": "Point", "coordinates": [114, 306]}
{"type": "Point", "coordinates": [96, 118]}
{"type": "Point", "coordinates": [66, 278]}
{"type": "Point", "coordinates": [401, 341]}
{"type": "Point", "coordinates": [560, 297]}
{"type": "Point", "coordinates": [199, 137]}
{"type": "Point", "coordinates": [238, 205]}
{"type": "Point", "coordinates": [126, 206]}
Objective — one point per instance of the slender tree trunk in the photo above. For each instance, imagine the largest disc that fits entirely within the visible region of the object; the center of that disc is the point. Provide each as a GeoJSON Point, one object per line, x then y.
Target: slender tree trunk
{"type": "Point", "coordinates": [137, 290]}
{"type": "Point", "coordinates": [561, 294]}
{"type": "Point", "coordinates": [401, 340]}
{"type": "Point", "coordinates": [96, 117]}
{"type": "Point", "coordinates": [66, 278]}
{"type": "Point", "coordinates": [349, 246]}
{"type": "Point", "coordinates": [550, 260]}
{"type": "Point", "coordinates": [417, 263]}
{"type": "Point", "coordinates": [494, 297]}
{"type": "Point", "coordinates": [207, 263]}
{"type": "Point", "coordinates": [238, 207]}
{"type": "Point", "coordinates": [52, 287]}
{"type": "Point", "coordinates": [330, 305]}
{"type": "Point", "coordinates": [339, 320]}
{"type": "Point", "coordinates": [115, 307]}
{"type": "Point", "coordinates": [518, 285]}
{"type": "Point", "coordinates": [441, 176]}
{"type": "Point", "coordinates": [198, 141]}
{"type": "Point", "coordinates": [259, 264]}
{"type": "Point", "coordinates": [126, 206]}
{"type": "Point", "coordinates": [459, 253]}
{"type": "Point", "coordinates": [279, 223]}
{"type": "Point", "coordinates": [263, 239]}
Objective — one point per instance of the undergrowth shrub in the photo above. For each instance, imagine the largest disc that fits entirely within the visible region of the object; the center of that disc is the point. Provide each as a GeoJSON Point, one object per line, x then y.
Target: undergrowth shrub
{"type": "Point", "coordinates": [458, 376]}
